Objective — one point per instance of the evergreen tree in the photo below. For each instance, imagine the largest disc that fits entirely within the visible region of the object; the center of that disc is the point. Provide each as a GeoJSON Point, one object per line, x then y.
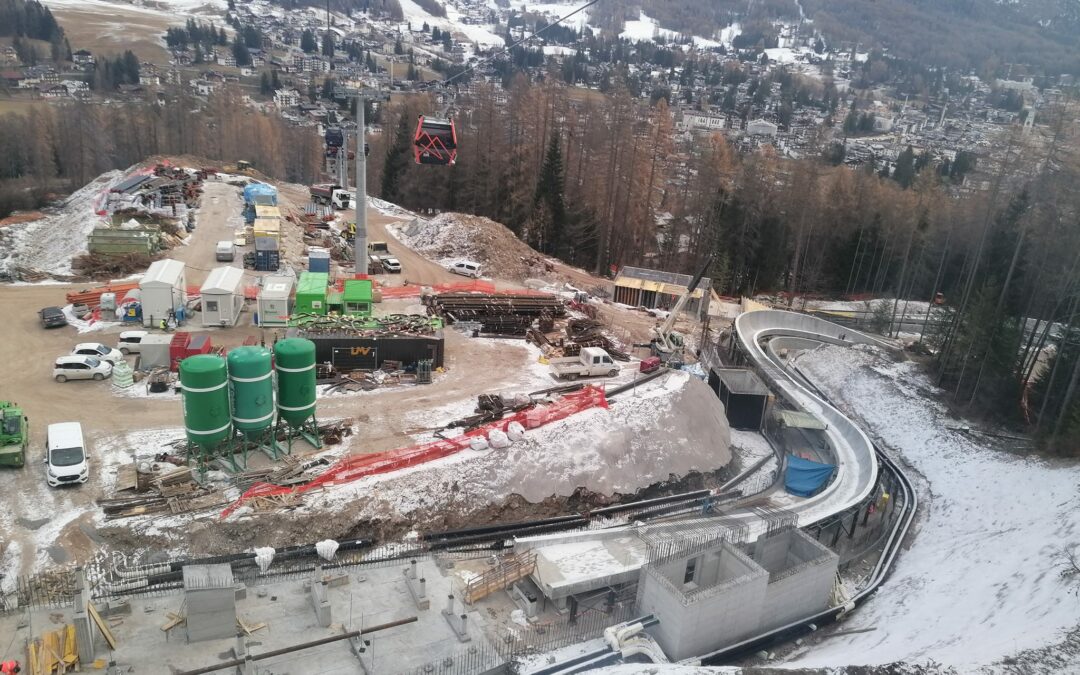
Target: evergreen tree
{"type": "Point", "coordinates": [241, 53]}
{"type": "Point", "coordinates": [550, 201]}
{"type": "Point", "coordinates": [307, 42]}
{"type": "Point", "coordinates": [328, 88]}
{"type": "Point", "coordinates": [328, 45]}
{"type": "Point", "coordinates": [264, 84]}
{"type": "Point", "coordinates": [904, 173]}
{"type": "Point", "coordinates": [397, 162]}
{"type": "Point", "coordinates": [275, 81]}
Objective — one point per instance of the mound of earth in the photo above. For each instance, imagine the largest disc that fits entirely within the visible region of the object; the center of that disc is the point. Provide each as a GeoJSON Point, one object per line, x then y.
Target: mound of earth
{"type": "Point", "coordinates": [450, 237]}
{"type": "Point", "coordinates": [668, 429]}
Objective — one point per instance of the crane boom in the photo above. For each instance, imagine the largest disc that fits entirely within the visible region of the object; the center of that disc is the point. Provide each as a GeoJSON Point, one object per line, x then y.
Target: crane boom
{"type": "Point", "coordinates": [665, 330]}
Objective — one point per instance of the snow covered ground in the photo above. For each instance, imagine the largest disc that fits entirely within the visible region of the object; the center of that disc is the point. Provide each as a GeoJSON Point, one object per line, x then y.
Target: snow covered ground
{"type": "Point", "coordinates": [981, 580]}
{"type": "Point", "coordinates": [49, 244]}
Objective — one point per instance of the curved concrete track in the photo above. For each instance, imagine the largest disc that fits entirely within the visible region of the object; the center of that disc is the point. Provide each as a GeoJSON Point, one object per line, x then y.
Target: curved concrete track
{"type": "Point", "coordinates": [856, 461]}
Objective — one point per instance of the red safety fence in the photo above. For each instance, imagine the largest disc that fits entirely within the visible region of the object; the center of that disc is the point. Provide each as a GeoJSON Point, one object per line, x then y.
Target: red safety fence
{"type": "Point", "coordinates": [355, 467]}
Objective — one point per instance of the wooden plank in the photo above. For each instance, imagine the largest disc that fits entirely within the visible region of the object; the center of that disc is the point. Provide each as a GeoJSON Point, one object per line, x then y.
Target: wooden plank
{"type": "Point", "coordinates": [102, 626]}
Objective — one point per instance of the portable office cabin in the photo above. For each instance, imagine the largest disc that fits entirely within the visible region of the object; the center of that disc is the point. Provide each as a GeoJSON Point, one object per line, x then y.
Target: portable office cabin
{"type": "Point", "coordinates": [357, 297]}
{"type": "Point", "coordinates": [275, 301]}
{"type": "Point", "coordinates": [222, 297]}
{"type": "Point", "coordinates": [311, 293]}
{"type": "Point", "coordinates": [163, 288]}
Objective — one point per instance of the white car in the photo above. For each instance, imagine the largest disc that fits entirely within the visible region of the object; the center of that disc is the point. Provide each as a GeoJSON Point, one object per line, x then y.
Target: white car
{"type": "Point", "coordinates": [80, 367]}
{"type": "Point", "coordinates": [96, 349]}
{"type": "Point", "coordinates": [130, 340]}
{"type": "Point", "coordinates": [391, 265]}
{"type": "Point", "coordinates": [65, 455]}
{"type": "Point", "coordinates": [467, 268]}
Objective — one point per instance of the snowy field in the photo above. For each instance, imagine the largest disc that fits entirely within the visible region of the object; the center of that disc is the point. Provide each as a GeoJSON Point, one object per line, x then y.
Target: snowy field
{"type": "Point", "coordinates": [981, 580]}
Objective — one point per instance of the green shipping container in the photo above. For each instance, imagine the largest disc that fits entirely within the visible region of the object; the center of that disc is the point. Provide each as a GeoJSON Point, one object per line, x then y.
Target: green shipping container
{"type": "Point", "coordinates": [311, 293]}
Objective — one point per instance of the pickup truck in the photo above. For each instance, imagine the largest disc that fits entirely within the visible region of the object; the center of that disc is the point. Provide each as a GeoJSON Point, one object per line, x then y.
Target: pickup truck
{"type": "Point", "coordinates": [591, 362]}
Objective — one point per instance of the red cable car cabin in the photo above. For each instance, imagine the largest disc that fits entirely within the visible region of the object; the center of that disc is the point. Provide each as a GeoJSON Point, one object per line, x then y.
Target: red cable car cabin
{"type": "Point", "coordinates": [435, 141]}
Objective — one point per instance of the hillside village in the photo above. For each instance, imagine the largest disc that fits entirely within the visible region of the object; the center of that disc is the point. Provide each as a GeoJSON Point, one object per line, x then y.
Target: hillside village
{"type": "Point", "coordinates": [802, 97]}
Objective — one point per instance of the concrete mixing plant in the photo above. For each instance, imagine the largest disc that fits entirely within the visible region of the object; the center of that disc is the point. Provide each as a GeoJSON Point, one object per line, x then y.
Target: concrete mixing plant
{"type": "Point", "coordinates": [294, 361]}
{"type": "Point", "coordinates": [204, 382]}
{"type": "Point", "coordinates": [251, 383]}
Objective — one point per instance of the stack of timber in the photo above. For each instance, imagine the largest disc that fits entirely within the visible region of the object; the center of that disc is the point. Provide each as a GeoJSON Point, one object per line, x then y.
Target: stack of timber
{"type": "Point", "coordinates": [173, 492]}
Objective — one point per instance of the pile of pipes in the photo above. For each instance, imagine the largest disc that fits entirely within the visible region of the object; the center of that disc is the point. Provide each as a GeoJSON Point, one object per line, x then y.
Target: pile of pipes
{"type": "Point", "coordinates": [497, 314]}
{"type": "Point", "coordinates": [359, 326]}
{"type": "Point", "coordinates": [489, 408]}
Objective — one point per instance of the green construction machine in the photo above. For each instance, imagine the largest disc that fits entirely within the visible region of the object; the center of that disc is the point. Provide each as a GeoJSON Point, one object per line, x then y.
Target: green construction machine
{"type": "Point", "coordinates": [14, 435]}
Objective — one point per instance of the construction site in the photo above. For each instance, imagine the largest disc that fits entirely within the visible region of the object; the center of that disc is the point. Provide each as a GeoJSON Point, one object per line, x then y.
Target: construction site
{"type": "Point", "coordinates": [466, 457]}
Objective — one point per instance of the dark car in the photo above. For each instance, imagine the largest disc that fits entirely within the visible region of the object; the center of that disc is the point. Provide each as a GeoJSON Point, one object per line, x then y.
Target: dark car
{"type": "Point", "coordinates": [52, 317]}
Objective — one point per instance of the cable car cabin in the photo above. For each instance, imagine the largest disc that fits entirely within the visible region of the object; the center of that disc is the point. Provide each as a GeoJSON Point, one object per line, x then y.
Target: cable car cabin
{"type": "Point", "coordinates": [435, 141]}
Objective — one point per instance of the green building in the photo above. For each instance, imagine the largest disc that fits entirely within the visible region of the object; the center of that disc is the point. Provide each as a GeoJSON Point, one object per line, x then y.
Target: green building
{"type": "Point", "coordinates": [357, 297]}
{"type": "Point", "coordinates": [311, 293]}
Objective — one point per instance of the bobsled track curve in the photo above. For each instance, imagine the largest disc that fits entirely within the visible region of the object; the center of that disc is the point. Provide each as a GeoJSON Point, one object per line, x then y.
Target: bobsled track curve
{"type": "Point", "coordinates": [858, 460]}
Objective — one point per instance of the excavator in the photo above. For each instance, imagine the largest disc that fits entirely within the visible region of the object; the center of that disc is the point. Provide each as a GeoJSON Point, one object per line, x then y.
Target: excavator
{"type": "Point", "coordinates": [666, 343]}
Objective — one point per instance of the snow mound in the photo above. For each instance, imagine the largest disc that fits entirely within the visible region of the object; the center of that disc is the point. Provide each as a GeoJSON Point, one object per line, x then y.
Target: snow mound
{"type": "Point", "coordinates": [671, 426]}
{"type": "Point", "coordinates": [49, 244]}
{"type": "Point", "coordinates": [450, 237]}
{"type": "Point", "coordinates": [987, 553]}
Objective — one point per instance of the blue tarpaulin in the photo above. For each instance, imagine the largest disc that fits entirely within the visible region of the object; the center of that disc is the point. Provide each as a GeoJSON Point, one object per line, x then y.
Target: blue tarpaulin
{"type": "Point", "coordinates": [805, 477]}
{"type": "Point", "coordinates": [253, 189]}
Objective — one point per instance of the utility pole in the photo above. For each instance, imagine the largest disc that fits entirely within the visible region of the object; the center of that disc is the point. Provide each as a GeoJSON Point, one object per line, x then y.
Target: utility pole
{"type": "Point", "coordinates": [360, 241]}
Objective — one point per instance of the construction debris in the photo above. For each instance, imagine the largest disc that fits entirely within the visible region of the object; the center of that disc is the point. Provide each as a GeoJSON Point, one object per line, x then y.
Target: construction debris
{"type": "Point", "coordinates": [507, 314]}
{"type": "Point", "coordinates": [489, 408]}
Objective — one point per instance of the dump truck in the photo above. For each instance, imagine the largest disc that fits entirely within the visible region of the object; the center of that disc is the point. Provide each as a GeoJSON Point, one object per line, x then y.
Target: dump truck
{"type": "Point", "coordinates": [331, 194]}
{"type": "Point", "coordinates": [591, 362]}
{"type": "Point", "coordinates": [14, 434]}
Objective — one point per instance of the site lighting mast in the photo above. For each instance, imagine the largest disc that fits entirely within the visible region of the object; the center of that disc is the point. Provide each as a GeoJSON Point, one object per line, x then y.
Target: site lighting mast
{"type": "Point", "coordinates": [360, 241]}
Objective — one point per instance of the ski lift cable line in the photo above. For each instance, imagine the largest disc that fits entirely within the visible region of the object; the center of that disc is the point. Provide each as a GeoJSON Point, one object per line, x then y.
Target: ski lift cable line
{"type": "Point", "coordinates": [520, 42]}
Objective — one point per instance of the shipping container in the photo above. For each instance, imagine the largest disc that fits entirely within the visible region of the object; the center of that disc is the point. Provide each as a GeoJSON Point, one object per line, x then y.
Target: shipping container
{"type": "Point", "coordinates": [348, 352]}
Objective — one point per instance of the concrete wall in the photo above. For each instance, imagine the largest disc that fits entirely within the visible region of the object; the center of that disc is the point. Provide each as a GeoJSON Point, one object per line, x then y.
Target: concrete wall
{"type": "Point", "coordinates": [803, 586]}
{"type": "Point", "coordinates": [710, 616]}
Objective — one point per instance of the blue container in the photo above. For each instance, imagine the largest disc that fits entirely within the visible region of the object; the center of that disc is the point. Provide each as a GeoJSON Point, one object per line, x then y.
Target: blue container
{"type": "Point", "coordinates": [267, 256]}
{"type": "Point", "coordinates": [319, 261]}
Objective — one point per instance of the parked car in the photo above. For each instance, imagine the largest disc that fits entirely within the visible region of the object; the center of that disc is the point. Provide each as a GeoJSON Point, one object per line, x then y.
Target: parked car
{"type": "Point", "coordinates": [80, 367]}
{"type": "Point", "coordinates": [52, 317]}
{"type": "Point", "coordinates": [130, 341]}
{"type": "Point", "coordinates": [466, 268]}
{"type": "Point", "coordinates": [65, 455]}
{"type": "Point", "coordinates": [391, 265]}
{"type": "Point", "coordinates": [103, 352]}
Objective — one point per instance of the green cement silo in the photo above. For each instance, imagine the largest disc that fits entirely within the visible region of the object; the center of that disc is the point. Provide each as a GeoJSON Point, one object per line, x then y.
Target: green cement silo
{"type": "Point", "coordinates": [294, 360]}
{"type": "Point", "coordinates": [205, 386]}
{"type": "Point", "coordinates": [252, 380]}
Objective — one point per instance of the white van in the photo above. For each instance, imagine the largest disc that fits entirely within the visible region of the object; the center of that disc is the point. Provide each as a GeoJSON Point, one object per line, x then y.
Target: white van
{"type": "Point", "coordinates": [80, 367]}
{"type": "Point", "coordinates": [129, 341]}
{"type": "Point", "coordinates": [65, 455]}
{"type": "Point", "coordinates": [466, 268]}
{"type": "Point", "coordinates": [225, 251]}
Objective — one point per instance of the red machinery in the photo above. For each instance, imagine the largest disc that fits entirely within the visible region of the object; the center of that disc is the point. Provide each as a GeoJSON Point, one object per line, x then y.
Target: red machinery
{"type": "Point", "coordinates": [435, 141]}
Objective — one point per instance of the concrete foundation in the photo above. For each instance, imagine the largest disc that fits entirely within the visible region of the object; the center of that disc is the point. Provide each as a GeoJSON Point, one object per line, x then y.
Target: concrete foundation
{"type": "Point", "coordinates": [708, 599]}
{"type": "Point", "coordinates": [210, 598]}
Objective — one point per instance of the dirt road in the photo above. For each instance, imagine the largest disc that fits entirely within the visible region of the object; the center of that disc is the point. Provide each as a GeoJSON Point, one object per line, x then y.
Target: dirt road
{"type": "Point", "coordinates": [219, 216]}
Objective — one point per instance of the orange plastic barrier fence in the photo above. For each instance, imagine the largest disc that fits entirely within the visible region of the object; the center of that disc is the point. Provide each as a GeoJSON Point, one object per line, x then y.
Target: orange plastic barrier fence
{"type": "Point", "coordinates": [355, 467]}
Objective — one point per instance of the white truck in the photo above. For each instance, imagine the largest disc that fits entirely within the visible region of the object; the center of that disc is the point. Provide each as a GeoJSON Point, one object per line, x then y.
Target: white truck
{"type": "Point", "coordinates": [331, 195]}
{"type": "Point", "coordinates": [591, 362]}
